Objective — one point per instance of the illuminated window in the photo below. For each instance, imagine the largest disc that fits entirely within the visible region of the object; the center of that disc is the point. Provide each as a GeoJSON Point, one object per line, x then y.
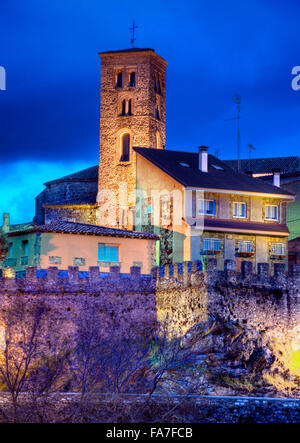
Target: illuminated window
{"type": "Point", "coordinates": [239, 210]}
{"type": "Point", "coordinates": [119, 80]}
{"type": "Point", "coordinates": [79, 261]}
{"type": "Point", "coordinates": [53, 260]}
{"type": "Point", "coordinates": [245, 246]}
{"type": "Point", "coordinates": [206, 207]}
{"type": "Point", "coordinates": [132, 79]}
{"type": "Point", "coordinates": [108, 253]}
{"type": "Point", "coordinates": [211, 244]}
{"type": "Point", "coordinates": [271, 212]}
{"type": "Point", "coordinates": [125, 147]}
{"type": "Point", "coordinates": [278, 248]}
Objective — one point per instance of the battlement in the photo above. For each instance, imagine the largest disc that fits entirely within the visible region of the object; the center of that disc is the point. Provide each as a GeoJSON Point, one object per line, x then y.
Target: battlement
{"type": "Point", "coordinates": [55, 281]}
{"type": "Point", "coordinates": [176, 276]}
{"type": "Point", "coordinates": [192, 273]}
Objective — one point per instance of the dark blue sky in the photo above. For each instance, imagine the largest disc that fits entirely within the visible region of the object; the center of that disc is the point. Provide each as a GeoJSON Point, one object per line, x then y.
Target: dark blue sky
{"type": "Point", "coordinates": [49, 114]}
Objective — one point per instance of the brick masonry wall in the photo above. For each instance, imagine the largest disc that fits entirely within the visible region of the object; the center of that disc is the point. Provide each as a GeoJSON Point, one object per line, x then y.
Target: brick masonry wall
{"type": "Point", "coordinates": [141, 125]}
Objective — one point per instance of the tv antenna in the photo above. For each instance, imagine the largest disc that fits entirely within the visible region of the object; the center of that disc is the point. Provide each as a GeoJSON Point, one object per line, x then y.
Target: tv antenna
{"type": "Point", "coordinates": [133, 29]}
{"type": "Point", "coordinates": [251, 148]}
{"type": "Point", "coordinates": [237, 100]}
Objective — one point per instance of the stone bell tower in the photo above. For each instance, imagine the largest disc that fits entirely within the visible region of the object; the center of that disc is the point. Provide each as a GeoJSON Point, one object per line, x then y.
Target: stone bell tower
{"type": "Point", "coordinates": [132, 114]}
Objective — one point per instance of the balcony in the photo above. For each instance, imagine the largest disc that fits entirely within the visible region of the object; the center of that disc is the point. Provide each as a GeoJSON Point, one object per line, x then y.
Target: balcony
{"type": "Point", "coordinates": [10, 262]}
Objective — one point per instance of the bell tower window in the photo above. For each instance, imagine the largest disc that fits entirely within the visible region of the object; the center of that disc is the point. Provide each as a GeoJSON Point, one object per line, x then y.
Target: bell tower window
{"type": "Point", "coordinates": [125, 147]}
{"type": "Point", "coordinates": [132, 79]}
{"type": "Point", "coordinates": [123, 112]}
{"type": "Point", "coordinates": [129, 107]}
{"type": "Point", "coordinates": [157, 116]}
{"type": "Point", "coordinates": [119, 80]}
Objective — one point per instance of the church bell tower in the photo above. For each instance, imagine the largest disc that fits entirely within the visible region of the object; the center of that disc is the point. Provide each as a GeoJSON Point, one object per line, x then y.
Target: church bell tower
{"type": "Point", "coordinates": [132, 114]}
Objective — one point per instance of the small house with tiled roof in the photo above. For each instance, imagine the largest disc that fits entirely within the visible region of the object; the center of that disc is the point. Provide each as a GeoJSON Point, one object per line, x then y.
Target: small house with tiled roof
{"type": "Point", "coordinates": [63, 244]}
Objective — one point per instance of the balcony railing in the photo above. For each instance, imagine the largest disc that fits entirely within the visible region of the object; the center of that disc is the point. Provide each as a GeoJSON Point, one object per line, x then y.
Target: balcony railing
{"type": "Point", "coordinates": [10, 262]}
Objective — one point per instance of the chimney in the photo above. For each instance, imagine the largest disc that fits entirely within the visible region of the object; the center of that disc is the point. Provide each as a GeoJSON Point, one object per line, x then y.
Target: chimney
{"type": "Point", "coordinates": [5, 226]}
{"type": "Point", "coordinates": [203, 159]}
{"type": "Point", "coordinates": [276, 177]}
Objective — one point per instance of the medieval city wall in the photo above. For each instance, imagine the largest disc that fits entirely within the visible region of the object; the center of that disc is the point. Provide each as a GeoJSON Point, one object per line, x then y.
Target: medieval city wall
{"type": "Point", "coordinates": [179, 295]}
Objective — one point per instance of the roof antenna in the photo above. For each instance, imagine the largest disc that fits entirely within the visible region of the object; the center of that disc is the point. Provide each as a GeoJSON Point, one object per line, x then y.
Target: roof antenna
{"type": "Point", "coordinates": [251, 148]}
{"type": "Point", "coordinates": [133, 28]}
{"type": "Point", "coordinates": [237, 101]}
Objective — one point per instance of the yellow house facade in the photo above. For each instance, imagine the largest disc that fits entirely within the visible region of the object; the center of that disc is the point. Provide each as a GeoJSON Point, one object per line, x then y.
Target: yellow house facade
{"type": "Point", "coordinates": [64, 244]}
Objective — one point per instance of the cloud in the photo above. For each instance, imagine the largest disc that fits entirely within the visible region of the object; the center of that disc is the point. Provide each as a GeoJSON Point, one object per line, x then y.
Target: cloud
{"type": "Point", "coordinates": [22, 181]}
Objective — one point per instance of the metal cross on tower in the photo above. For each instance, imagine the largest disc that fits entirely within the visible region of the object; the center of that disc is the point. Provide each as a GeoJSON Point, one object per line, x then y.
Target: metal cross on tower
{"type": "Point", "coordinates": [133, 28]}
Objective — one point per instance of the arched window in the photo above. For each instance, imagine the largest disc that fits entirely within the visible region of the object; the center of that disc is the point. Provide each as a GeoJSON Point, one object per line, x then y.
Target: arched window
{"type": "Point", "coordinates": [119, 80]}
{"type": "Point", "coordinates": [125, 147]}
{"type": "Point", "coordinates": [158, 84]}
{"type": "Point", "coordinates": [132, 79]}
{"type": "Point", "coordinates": [155, 82]}
{"type": "Point", "coordinates": [157, 112]}
{"type": "Point", "coordinates": [129, 107]}
{"type": "Point", "coordinates": [123, 112]}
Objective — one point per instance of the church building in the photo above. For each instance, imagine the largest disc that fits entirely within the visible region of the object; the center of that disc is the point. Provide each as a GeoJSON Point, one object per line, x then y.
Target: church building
{"type": "Point", "coordinates": [198, 205]}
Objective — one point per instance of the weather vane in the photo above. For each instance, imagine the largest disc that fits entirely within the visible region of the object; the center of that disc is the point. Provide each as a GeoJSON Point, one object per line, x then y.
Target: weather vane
{"type": "Point", "coordinates": [133, 28]}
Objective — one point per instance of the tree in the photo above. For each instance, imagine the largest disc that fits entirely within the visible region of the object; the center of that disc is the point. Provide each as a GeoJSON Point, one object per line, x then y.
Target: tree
{"type": "Point", "coordinates": [34, 354]}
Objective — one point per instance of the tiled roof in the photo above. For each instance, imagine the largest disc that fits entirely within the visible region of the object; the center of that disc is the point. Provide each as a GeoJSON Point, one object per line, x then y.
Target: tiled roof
{"type": "Point", "coordinates": [241, 226]}
{"type": "Point", "coordinates": [82, 228]}
{"type": "Point", "coordinates": [89, 174]}
{"type": "Point", "coordinates": [21, 227]}
{"type": "Point", "coordinates": [219, 175]}
{"type": "Point", "coordinates": [287, 165]}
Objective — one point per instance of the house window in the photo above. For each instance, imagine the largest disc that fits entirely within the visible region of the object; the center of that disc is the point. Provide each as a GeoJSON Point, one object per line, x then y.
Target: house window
{"type": "Point", "coordinates": [25, 248]}
{"type": "Point", "coordinates": [245, 246]}
{"type": "Point", "coordinates": [271, 212]}
{"type": "Point", "coordinates": [125, 146]}
{"type": "Point", "coordinates": [277, 249]}
{"type": "Point", "coordinates": [119, 80]}
{"type": "Point", "coordinates": [211, 244]}
{"type": "Point", "coordinates": [53, 260]}
{"type": "Point", "coordinates": [79, 261]}
{"type": "Point", "coordinates": [206, 207]}
{"type": "Point", "coordinates": [108, 253]}
{"type": "Point", "coordinates": [132, 79]}
{"type": "Point", "coordinates": [239, 210]}
{"type": "Point", "coordinates": [10, 250]}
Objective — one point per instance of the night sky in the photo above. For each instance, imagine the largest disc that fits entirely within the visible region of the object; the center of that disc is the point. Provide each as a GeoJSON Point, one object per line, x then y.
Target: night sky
{"type": "Point", "coordinates": [49, 114]}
